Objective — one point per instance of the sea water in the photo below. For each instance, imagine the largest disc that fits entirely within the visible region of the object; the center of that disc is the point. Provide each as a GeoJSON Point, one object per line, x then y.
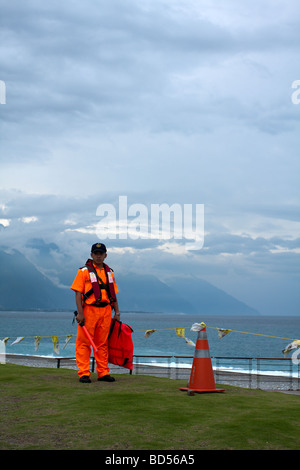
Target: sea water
{"type": "Point", "coordinates": [250, 337]}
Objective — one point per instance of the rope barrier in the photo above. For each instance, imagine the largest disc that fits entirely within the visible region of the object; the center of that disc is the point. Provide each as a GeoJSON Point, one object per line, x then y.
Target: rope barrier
{"type": "Point", "coordinates": [165, 329]}
{"type": "Point", "coordinates": [180, 331]}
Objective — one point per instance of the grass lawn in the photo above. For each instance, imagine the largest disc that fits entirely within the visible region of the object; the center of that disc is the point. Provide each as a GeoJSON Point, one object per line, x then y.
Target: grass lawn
{"type": "Point", "coordinates": [48, 409]}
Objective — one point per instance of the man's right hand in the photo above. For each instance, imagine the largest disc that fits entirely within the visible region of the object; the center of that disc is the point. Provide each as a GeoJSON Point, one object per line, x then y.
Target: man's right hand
{"type": "Point", "coordinates": [80, 318]}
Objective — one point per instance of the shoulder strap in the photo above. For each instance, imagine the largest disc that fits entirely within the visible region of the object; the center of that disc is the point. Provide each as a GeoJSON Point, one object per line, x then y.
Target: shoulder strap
{"type": "Point", "coordinates": [111, 288]}
{"type": "Point", "coordinates": [94, 280]}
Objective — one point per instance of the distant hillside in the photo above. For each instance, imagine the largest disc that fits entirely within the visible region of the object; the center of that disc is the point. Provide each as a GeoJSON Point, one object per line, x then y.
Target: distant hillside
{"type": "Point", "coordinates": [147, 293]}
{"type": "Point", "coordinates": [23, 286]}
{"type": "Point", "coordinates": [208, 299]}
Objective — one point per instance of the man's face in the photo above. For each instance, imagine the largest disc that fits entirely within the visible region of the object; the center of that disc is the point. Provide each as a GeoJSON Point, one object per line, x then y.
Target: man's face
{"type": "Point", "coordinates": [98, 257]}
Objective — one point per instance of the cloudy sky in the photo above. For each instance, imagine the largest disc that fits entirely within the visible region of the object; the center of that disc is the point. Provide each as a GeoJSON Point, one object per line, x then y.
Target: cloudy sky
{"type": "Point", "coordinates": [163, 102]}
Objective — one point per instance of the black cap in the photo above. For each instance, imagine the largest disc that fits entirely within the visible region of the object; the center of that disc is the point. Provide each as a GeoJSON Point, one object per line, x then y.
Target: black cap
{"type": "Point", "coordinates": [98, 247]}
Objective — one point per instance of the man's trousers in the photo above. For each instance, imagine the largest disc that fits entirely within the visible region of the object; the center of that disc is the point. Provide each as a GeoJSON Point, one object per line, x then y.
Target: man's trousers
{"type": "Point", "coordinates": [97, 322]}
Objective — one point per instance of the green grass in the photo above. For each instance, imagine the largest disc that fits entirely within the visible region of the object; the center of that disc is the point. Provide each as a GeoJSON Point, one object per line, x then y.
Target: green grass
{"type": "Point", "coordinates": [49, 409]}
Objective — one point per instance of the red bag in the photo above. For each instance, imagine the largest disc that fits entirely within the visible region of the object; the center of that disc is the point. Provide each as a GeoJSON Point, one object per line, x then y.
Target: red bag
{"type": "Point", "coordinates": [120, 345]}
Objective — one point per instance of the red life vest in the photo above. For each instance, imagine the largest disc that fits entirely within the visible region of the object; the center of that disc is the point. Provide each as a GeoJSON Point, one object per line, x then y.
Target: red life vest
{"type": "Point", "coordinates": [98, 284]}
{"type": "Point", "coordinates": [120, 345]}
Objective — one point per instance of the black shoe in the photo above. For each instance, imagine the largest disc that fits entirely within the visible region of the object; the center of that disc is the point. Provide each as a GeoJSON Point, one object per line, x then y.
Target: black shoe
{"type": "Point", "coordinates": [85, 379]}
{"type": "Point", "coordinates": [106, 378]}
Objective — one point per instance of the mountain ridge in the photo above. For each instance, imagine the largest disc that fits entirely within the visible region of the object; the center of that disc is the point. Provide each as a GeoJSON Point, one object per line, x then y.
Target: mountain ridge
{"type": "Point", "coordinates": [24, 287]}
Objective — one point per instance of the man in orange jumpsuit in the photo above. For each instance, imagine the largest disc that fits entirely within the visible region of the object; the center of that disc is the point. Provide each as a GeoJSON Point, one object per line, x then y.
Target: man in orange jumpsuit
{"type": "Point", "coordinates": [94, 314]}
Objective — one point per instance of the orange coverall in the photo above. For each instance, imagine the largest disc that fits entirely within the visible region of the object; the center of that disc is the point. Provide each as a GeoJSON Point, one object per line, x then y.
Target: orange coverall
{"type": "Point", "coordinates": [97, 322]}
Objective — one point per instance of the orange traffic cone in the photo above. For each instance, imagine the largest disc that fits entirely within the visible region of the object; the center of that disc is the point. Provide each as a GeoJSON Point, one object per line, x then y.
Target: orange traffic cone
{"type": "Point", "coordinates": [202, 375]}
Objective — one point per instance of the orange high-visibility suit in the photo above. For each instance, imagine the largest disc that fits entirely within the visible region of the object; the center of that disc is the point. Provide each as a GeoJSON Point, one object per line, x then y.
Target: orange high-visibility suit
{"type": "Point", "coordinates": [97, 322]}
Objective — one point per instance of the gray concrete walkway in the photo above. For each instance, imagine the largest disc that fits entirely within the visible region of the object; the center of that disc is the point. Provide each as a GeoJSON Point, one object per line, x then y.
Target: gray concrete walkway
{"type": "Point", "coordinates": [247, 380]}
